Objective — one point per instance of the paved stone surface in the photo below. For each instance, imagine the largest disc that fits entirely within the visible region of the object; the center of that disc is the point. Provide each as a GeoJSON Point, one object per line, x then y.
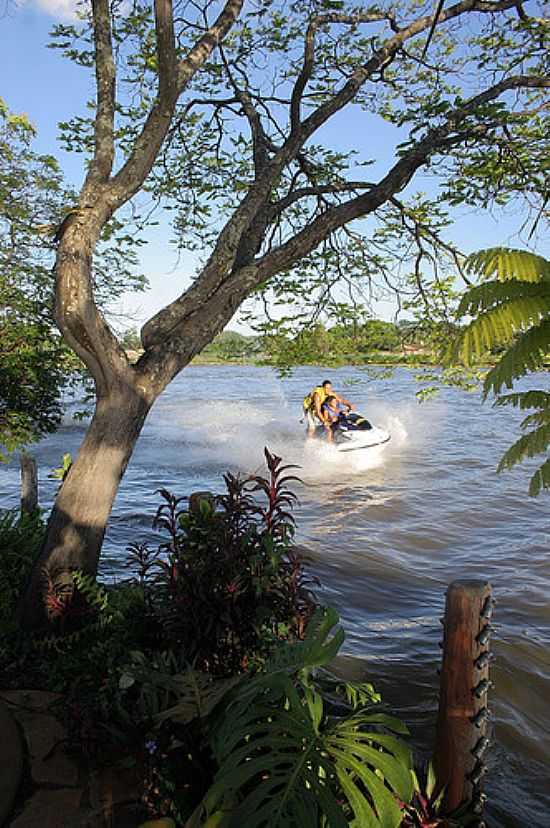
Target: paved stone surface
{"type": "Point", "coordinates": [11, 761]}
{"type": "Point", "coordinates": [51, 809]}
{"type": "Point", "coordinates": [65, 794]}
{"type": "Point", "coordinates": [45, 737]}
{"type": "Point", "coordinates": [108, 787]}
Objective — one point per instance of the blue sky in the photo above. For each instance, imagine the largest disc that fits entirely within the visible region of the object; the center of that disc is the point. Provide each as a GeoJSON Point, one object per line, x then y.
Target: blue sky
{"type": "Point", "coordinates": [48, 88]}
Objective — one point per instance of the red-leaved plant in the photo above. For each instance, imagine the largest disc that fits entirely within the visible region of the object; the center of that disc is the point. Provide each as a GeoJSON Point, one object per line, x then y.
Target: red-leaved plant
{"type": "Point", "coordinates": [230, 580]}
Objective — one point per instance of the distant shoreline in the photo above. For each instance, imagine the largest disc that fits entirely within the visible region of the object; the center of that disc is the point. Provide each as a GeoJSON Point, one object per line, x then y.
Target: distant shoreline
{"type": "Point", "coordinates": [389, 359]}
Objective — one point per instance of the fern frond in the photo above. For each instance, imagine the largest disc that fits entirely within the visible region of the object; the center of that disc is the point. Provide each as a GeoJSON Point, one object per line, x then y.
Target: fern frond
{"type": "Point", "coordinates": [504, 263]}
{"type": "Point", "coordinates": [497, 325]}
{"type": "Point", "coordinates": [526, 354]}
{"type": "Point", "coordinates": [485, 296]}
{"type": "Point", "coordinates": [525, 399]}
{"type": "Point", "coordinates": [528, 445]}
{"type": "Point", "coordinates": [540, 479]}
{"type": "Point", "coordinates": [535, 420]}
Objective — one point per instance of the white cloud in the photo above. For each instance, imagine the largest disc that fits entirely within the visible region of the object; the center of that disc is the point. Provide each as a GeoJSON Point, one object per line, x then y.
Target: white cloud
{"type": "Point", "coordinates": [61, 9]}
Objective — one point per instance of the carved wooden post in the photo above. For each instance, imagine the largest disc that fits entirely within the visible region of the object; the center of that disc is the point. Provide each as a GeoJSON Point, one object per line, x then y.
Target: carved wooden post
{"type": "Point", "coordinates": [29, 484]}
{"type": "Point", "coordinates": [462, 719]}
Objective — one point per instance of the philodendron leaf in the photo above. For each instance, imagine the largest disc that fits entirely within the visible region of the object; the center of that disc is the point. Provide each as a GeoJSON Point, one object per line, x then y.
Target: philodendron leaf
{"type": "Point", "coordinates": [286, 763]}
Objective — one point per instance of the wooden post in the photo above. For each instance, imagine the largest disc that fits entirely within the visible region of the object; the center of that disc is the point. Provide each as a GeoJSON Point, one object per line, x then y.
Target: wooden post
{"type": "Point", "coordinates": [29, 484]}
{"type": "Point", "coordinates": [461, 738]}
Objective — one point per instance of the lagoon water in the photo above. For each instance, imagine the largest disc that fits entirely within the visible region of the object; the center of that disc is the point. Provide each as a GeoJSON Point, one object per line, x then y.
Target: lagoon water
{"type": "Point", "coordinates": [386, 533]}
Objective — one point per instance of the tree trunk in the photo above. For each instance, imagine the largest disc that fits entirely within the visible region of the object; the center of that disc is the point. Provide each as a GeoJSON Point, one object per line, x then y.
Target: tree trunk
{"type": "Point", "coordinates": [78, 520]}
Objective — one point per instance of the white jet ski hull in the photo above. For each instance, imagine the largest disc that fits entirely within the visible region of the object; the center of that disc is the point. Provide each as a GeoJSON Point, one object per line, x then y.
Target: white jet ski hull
{"type": "Point", "coordinates": [354, 433]}
{"type": "Point", "coordinates": [360, 440]}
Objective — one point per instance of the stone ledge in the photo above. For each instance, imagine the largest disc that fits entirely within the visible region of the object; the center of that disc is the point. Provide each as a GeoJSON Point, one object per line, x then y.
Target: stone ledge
{"type": "Point", "coordinates": [44, 735]}
{"type": "Point", "coordinates": [11, 761]}
{"type": "Point", "coordinates": [51, 809]}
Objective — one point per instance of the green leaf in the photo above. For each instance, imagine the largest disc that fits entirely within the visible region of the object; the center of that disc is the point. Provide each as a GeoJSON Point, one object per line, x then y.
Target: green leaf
{"type": "Point", "coordinates": [506, 263]}
{"type": "Point", "coordinates": [526, 354]}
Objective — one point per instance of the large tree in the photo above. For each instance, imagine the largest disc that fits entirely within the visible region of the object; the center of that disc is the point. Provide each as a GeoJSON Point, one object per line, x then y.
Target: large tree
{"type": "Point", "coordinates": [223, 118]}
{"type": "Point", "coordinates": [36, 365]}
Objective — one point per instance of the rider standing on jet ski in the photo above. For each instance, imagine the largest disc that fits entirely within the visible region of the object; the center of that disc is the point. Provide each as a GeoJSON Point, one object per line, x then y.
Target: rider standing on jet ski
{"type": "Point", "coordinates": [313, 404]}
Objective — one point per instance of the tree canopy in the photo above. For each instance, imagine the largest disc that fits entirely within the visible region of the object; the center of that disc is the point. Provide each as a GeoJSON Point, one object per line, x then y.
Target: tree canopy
{"type": "Point", "coordinates": [219, 112]}
{"type": "Point", "coordinates": [245, 161]}
{"type": "Point", "coordinates": [35, 363]}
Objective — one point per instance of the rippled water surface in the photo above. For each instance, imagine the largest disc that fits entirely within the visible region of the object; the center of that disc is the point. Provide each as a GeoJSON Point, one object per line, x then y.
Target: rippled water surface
{"type": "Point", "coordinates": [387, 534]}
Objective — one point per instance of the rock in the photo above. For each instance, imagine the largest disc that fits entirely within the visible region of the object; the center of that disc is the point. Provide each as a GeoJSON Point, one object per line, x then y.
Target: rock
{"type": "Point", "coordinates": [109, 787]}
{"type": "Point", "coordinates": [51, 809]}
{"type": "Point", "coordinates": [11, 761]}
{"type": "Point", "coordinates": [44, 735]}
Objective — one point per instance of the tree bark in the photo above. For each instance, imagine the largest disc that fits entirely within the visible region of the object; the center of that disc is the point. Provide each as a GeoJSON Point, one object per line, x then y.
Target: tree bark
{"type": "Point", "coordinates": [77, 523]}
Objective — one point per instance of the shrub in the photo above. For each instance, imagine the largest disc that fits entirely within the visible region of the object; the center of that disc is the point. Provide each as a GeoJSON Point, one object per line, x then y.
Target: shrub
{"type": "Point", "coordinates": [20, 541]}
{"type": "Point", "coordinates": [230, 581]}
{"type": "Point", "coordinates": [291, 745]}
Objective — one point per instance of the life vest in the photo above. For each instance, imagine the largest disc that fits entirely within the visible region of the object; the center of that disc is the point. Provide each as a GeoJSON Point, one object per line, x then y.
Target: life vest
{"type": "Point", "coordinates": [309, 405]}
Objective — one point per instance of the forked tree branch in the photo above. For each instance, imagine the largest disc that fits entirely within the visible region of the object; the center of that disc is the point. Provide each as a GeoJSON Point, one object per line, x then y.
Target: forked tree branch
{"type": "Point", "coordinates": [104, 144]}
{"type": "Point", "coordinates": [309, 54]}
{"type": "Point", "coordinates": [225, 253]}
{"type": "Point", "coordinates": [82, 323]}
{"type": "Point", "coordinates": [396, 179]}
{"type": "Point", "coordinates": [173, 80]}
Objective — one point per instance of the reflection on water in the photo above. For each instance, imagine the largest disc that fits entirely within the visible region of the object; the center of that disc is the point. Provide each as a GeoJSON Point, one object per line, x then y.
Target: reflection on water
{"type": "Point", "coordinates": [387, 532]}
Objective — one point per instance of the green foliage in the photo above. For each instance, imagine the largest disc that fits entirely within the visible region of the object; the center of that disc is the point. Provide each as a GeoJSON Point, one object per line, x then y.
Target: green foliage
{"type": "Point", "coordinates": [61, 472]}
{"type": "Point", "coordinates": [282, 747]}
{"type": "Point", "coordinates": [513, 309]}
{"type": "Point", "coordinates": [496, 155]}
{"type": "Point", "coordinates": [230, 345]}
{"type": "Point", "coordinates": [20, 541]}
{"type": "Point", "coordinates": [36, 367]}
{"type": "Point", "coordinates": [361, 342]}
{"type": "Point", "coordinates": [286, 760]}
{"type": "Point", "coordinates": [268, 737]}
{"type": "Point", "coordinates": [230, 580]}
{"type": "Point", "coordinates": [131, 340]}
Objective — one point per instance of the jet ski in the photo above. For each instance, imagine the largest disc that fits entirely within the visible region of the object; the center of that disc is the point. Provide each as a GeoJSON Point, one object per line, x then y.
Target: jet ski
{"type": "Point", "coordinates": [353, 432]}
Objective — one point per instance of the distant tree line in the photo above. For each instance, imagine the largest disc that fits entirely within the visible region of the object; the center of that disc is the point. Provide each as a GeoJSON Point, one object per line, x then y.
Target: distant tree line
{"type": "Point", "coordinates": [356, 341]}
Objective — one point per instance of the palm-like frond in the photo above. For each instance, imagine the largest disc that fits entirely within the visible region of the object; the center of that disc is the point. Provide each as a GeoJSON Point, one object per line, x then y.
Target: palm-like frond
{"type": "Point", "coordinates": [525, 399]}
{"type": "Point", "coordinates": [514, 306]}
{"type": "Point", "coordinates": [528, 445]}
{"type": "Point", "coordinates": [490, 294]}
{"type": "Point", "coordinates": [540, 479]}
{"type": "Point", "coordinates": [505, 263]}
{"type": "Point", "coordinates": [526, 354]}
{"type": "Point", "coordinates": [501, 322]}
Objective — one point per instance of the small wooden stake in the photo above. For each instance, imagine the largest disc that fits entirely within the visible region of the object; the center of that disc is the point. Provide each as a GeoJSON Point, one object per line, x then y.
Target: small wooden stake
{"type": "Point", "coordinates": [29, 484]}
{"type": "Point", "coordinates": [462, 717]}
